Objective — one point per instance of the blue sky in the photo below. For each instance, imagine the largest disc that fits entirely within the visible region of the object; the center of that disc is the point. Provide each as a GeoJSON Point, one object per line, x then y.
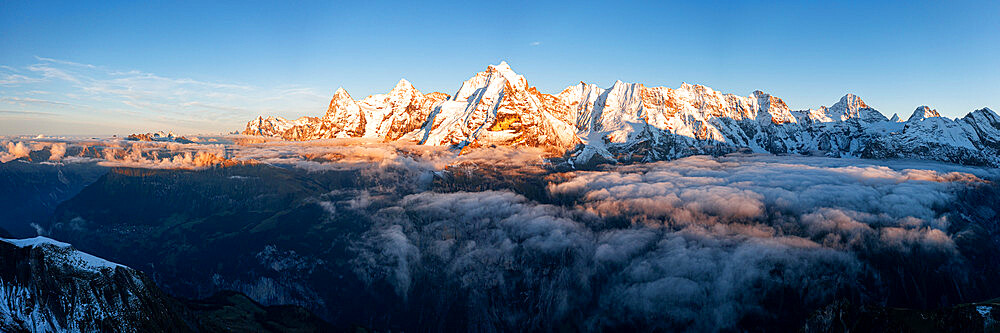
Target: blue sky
{"type": "Point", "coordinates": [122, 67]}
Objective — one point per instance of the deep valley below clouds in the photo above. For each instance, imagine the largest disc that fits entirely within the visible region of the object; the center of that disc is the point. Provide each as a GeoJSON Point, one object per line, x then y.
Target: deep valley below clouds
{"type": "Point", "coordinates": [388, 235]}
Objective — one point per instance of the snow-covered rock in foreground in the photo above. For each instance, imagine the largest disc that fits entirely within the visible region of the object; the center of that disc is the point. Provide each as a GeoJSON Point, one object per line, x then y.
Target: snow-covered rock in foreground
{"type": "Point", "coordinates": [629, 122]}
{"type": "Point", "coordinates": [64, 253]}
{"type": "Point", "coordinates": [47, 286]}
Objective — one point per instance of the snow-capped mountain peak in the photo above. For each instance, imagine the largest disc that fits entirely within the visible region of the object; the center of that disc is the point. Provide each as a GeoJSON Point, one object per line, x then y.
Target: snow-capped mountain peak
{"type": "Point", "coordinates": [344, 116]}
{"type": "Point", "coordinates": [923, 112]}
{"type": "Point", "coordinates": [402, 86]}
{"type": "Point", "coordinates": [495, 74]}
{"type": "Point", "coordinates": [502, 67]}
{"type": "Point", "coordinates": [630, 121]}
{"type": "Point", "coordinates": [851, 107]}
{"type": "Point", "coordinates": [850, 102]}
{"type": "Point", "coordinates": [341, 93]}
{"type": "Point", "coordinates": [340, 101]}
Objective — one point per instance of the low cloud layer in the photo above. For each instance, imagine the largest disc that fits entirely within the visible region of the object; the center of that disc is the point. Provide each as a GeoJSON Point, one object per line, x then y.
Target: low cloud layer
{"type": "Point", "coordinates": [14, 150]}
{"type": "Point", "coordinates": [525, 265]}
{"type": "Point", "coordinates": [319, 155]}
{"type": "Point", "coordinates": [705, 190]}
{"type": "Point", "coordinates": [698, 244]}
{"type": "Point", "coordinates": [505, 243]}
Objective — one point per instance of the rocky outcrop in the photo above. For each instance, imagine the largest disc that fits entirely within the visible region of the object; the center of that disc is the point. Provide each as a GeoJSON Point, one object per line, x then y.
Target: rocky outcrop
{"type": "Point", "coordinates": [48, 286]}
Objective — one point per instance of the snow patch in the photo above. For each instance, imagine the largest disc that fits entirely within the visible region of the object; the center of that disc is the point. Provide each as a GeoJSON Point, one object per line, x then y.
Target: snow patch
{"type": "Point", "coordinates": [65, 252]}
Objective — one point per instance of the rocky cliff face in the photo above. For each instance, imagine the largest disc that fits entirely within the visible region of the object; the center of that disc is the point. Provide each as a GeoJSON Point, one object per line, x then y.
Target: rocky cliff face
{"type": "Point", "coordinates": [48, 286]}
{"type": "Point", "coordinates": [629, 122]}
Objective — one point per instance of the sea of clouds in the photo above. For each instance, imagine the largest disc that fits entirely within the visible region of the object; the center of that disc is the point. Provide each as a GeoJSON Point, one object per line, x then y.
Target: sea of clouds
{"type": "Point", "coordinates": [696, 244]}
{"type": "Point", "coordinates": [700, 243]}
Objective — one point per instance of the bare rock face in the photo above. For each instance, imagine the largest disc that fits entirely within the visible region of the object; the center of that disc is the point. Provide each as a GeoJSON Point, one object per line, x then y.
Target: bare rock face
{"type": "Point", "coordinates": [629, 122]}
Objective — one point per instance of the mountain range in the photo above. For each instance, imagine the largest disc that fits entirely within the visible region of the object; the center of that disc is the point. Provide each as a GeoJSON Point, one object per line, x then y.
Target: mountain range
{"type": "Point", "coordinates": [630, 122]}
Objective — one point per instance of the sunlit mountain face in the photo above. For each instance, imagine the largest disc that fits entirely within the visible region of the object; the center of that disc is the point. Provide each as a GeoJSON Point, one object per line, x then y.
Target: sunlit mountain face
{"type": "Point", "coordinates": [380, 234]}
{"type": "Point", "coordinates": [630, 122]}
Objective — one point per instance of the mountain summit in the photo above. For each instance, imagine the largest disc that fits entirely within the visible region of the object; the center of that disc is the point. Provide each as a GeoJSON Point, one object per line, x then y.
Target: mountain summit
{"type": "Point", "coordinates": [923, 112]}
{"type": "Point", "coordinates": [629, 122]}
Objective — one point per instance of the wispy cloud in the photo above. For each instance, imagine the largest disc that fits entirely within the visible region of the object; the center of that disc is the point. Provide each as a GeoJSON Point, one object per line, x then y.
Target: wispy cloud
{"type": "Point", "coordinates": [28, 113]}
{"type": "Point", "coordinates": [49, 72]}
{"type": "Point", "coordinates": [29, 100]}
{"type": "Point", "coordinates": [7, 79]}
{"type": "Point", "coordinates": [64, 62]}
{"type": "Point", "coordinates": [203, 105]}
{"type": "Point", "coordinates": [536, 43]}
{"type": "Point", "coordinates": [213, 106]}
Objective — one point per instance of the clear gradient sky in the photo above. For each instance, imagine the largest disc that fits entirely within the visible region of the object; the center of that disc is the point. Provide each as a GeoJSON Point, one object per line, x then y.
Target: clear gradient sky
{"type": "Point", "coordinates": [108, 67]}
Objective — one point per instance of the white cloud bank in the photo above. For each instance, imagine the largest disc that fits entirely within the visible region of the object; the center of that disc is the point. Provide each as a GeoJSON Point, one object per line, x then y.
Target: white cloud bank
{"type": "Point", "coordinates": [696, 244]}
